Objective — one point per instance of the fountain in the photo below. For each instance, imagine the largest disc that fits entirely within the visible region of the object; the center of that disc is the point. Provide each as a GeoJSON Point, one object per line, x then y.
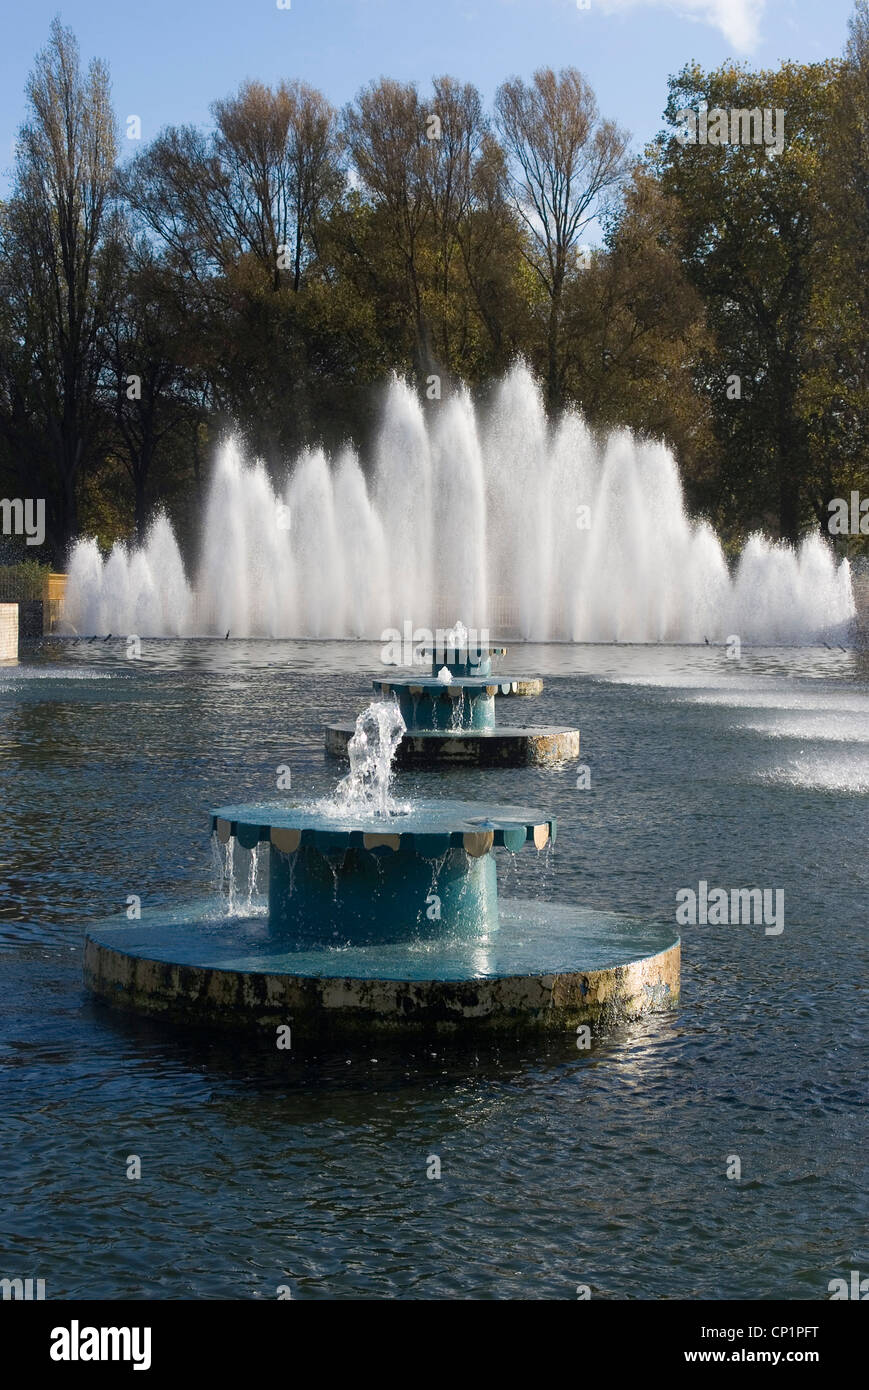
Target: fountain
{"type": "Point", "coordinates": [457, 656]}
{"type": "Point", "coordinates": [449, 716]}
{"type": "Point", "coordinates": [535, 529]}
{"type": "Point", "coordinates": [383, 918]}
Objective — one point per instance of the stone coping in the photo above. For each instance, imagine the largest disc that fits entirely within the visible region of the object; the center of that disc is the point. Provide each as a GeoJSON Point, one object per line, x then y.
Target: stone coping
{"type": "Point", "coordinates": [548, 969]}
{"type": "Point", "coordinates": [453, 689]}
{"type": "Point", "coordinates": [497, 747]}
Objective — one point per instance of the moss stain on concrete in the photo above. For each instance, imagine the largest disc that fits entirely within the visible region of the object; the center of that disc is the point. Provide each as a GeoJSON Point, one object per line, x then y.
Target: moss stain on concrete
{"type": "Point", "coordinates": [338, 1007]}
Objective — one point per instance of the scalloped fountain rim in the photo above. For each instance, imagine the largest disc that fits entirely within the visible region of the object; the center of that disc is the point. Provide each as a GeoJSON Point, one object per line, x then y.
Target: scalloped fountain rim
{"type": "Point", "coordinates": [430, 829]}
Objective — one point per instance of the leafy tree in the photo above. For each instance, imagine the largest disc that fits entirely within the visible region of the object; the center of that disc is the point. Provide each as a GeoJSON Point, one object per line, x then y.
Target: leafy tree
{"type": "Point", "coordinates": [385, 134]}
{"type": "Point", "coordinates": [834, 395]}
{"type": "Point", "coordinates": [150, 367]}
{"type": "Point", "coordinates": [634, 329]}
{"type": "Point", "coordinates": [750, 235]}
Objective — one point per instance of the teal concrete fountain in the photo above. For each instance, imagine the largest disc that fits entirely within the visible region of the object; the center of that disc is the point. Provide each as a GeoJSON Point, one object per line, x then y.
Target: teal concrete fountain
{"type": "Point", "coordinates": [383, 917]}
{"type": "Point", "coordinates": [480, 660]}
{"type": "Point", "coordinates": [341, 882]}
{"type": "Point", "coordinates": [450, 715]}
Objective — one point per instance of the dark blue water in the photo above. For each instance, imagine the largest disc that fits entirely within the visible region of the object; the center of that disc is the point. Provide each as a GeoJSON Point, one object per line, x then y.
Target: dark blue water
{"type": "Point", "coordinates": [558, 1167]}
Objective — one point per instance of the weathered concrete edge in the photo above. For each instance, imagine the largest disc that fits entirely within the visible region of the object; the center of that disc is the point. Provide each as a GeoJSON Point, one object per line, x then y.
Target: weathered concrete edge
{"type": "Point", "coordinates": [8, 634]}
{"type": "Point", "coordinates": [343, 1007]}
{"type": "Point", "coordinates": [498, 749]}
{"type": "Point", "coordinates": [510, 685]}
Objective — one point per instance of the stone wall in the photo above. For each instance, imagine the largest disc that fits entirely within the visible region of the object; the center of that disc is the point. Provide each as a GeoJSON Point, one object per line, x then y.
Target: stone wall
{"type": "Point", "coordinates": [8, 632]}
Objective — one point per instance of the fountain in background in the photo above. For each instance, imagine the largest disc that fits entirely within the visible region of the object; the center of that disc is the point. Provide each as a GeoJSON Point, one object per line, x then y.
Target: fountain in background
{"type": "Point", "coordinates": [383, 918]}
{"type": "Point", "coordinates": [449, 716]}
{"type": "Point", "coordinates": [493, 514]}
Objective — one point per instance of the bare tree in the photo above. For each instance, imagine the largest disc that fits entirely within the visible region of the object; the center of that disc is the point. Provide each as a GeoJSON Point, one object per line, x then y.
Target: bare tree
{"type": "Point", "coordinates": [564, 161]}
{"type": "Point", "coordinates": [279, 154]}
{"type": "Point", "coordinates": [58, 218]}
{"type": "Point", "coordinates": [385, 132]}
{"type": "Point", "coordinates": [449, 177]}
{"type": "Point", "coordinates": [173, 188]}
{"type": "Point", "coordinates": [261, 182]}
{"type": "Point", "coordinates": [316, 176]}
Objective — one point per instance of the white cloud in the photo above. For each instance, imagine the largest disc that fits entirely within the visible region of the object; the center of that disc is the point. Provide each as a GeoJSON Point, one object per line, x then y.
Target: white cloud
{"type": "Point", "coordinates": [738, 20]}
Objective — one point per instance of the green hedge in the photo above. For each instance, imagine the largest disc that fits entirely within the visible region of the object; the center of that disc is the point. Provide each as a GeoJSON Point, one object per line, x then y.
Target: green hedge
{"type": "Point", "coordinates": [28, 580]}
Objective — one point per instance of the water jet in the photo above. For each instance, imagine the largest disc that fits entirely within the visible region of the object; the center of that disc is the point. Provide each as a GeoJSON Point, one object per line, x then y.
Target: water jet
{"type": "Point", "coordinates": [449, 715]}
{"type": "Point", "coordinates": [383, 918]}
{"type": "Point", "coordinates": [469, 510]}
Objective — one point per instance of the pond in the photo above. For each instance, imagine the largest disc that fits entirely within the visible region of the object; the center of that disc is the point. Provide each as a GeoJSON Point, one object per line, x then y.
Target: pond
{"type": "Point", "coordinates": [557, 1165]}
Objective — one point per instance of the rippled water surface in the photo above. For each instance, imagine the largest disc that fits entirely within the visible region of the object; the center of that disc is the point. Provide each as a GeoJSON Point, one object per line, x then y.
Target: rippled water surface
{"type": "Point", "coordinates": [559, 1167]}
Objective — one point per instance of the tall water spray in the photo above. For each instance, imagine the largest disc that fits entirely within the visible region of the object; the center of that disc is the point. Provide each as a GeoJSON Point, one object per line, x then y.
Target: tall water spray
{"type": "Point", "coordinates": [495, 516]}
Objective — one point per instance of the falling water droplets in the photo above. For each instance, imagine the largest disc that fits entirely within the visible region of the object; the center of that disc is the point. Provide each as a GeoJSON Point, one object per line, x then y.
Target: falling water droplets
{"type": "Point", "coordinates": [367, 788]}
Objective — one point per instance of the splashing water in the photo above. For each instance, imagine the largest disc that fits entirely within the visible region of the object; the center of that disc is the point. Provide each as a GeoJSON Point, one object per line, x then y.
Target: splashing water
{"type": "Point", "coordinates": [526, 528]}
{"type": "Point", "coordinates": [367, 788]}
{"type": "Point", "coordinates": [457, 713]}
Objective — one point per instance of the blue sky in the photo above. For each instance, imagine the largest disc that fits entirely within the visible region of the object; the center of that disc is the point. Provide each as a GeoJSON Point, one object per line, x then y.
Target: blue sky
{"type": "Point", "coordinates": [169, 59]}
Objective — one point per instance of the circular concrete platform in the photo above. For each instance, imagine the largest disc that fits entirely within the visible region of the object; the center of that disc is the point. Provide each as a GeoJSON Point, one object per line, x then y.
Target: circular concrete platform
{"type": "Point", "coordinates": [546, 969]}
{"type": "Point", "coordinates": [499, 747]}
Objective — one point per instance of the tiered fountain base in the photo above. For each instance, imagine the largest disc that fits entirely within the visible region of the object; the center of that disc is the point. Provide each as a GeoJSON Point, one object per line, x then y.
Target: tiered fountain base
{"type": "Point", "coordinates": [478, 660]}
{"type": "Point", "coordinates": [387, 925]}
{"type": "Point", "coordinates": [452, 720]}
{"type": "Point", "coordinates": [548, 970]}
{"type": "Point", "coordinates": [541, 746]}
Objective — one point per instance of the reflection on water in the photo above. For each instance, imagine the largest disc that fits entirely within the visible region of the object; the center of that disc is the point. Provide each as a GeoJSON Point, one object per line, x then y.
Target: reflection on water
{"type": "Point", "coordinates": [559, 1165]}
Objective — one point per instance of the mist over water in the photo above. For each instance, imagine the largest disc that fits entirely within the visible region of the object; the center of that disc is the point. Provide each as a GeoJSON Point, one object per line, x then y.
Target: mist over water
{"type": "Point", "coordinates": [488, 515]}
